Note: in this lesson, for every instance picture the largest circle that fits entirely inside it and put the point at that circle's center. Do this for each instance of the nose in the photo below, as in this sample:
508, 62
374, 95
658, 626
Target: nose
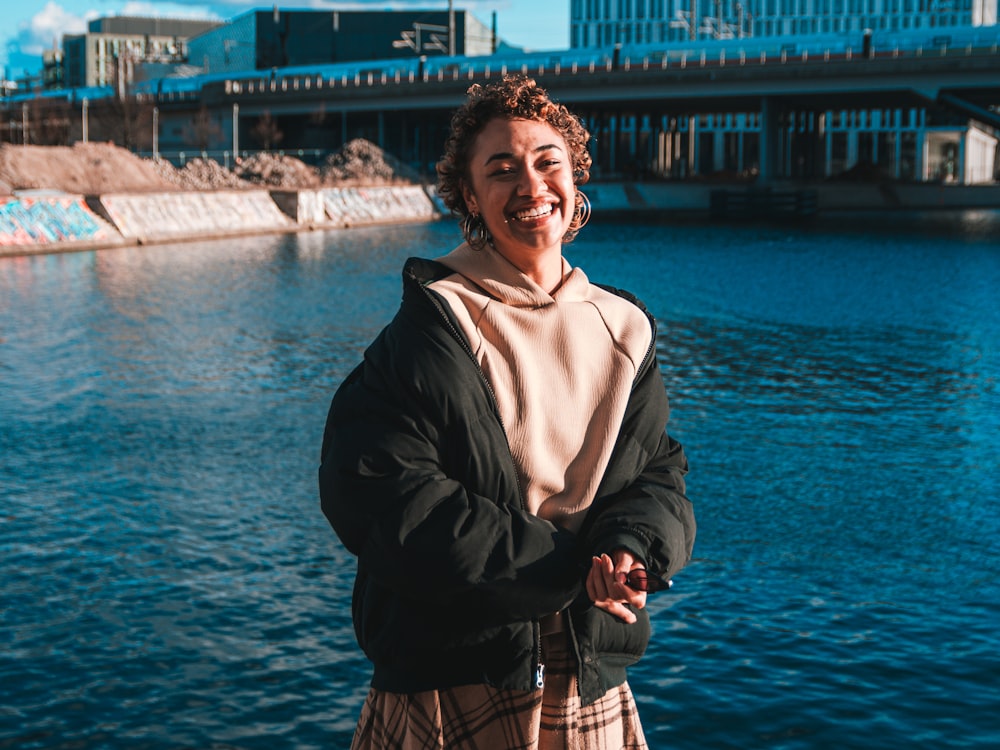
531, 182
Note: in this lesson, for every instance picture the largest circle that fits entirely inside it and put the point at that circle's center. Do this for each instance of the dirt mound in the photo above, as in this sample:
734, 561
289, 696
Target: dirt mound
200, 174
362, 162
100, 168
277, 170
85, 168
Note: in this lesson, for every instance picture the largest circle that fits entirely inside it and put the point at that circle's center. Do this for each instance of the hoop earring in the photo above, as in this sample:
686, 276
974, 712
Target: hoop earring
581, 215
475, 232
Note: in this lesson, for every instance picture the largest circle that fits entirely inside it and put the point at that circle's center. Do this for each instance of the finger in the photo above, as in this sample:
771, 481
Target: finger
624, 562
615, 581
624, 613
591, 584
637, 599
619, 610
600, 577
595, 582
608, 569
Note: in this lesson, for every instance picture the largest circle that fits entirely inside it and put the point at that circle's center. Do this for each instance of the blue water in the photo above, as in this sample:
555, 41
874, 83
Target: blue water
168, 580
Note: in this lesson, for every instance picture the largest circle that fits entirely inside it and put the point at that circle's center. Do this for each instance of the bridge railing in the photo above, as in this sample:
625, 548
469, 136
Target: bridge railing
474, 68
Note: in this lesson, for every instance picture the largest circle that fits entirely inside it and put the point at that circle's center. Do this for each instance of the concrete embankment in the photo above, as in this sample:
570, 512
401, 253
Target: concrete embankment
695, 198
44, 221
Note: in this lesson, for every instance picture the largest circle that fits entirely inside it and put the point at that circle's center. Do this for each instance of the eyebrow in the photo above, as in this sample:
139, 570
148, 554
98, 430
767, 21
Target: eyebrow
508, 155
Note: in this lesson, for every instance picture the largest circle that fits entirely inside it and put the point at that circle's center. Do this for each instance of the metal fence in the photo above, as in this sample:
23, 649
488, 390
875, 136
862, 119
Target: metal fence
224, 157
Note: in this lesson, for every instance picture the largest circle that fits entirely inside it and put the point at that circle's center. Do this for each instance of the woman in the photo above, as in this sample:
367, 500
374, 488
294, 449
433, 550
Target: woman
499, 463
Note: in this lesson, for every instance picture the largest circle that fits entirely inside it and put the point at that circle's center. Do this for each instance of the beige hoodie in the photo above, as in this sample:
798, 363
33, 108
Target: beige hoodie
561, 364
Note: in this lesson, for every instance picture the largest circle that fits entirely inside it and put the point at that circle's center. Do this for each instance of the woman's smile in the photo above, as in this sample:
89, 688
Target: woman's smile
537, 212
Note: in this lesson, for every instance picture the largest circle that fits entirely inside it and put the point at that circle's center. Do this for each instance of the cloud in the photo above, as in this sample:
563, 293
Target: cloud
146, 9
46, 29
23, 49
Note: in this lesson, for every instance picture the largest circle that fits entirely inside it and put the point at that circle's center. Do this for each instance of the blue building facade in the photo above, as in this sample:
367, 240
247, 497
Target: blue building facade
911, 144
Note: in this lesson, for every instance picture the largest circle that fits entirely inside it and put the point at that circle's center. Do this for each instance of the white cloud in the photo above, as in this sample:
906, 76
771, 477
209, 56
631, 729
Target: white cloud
145, 9
46, 29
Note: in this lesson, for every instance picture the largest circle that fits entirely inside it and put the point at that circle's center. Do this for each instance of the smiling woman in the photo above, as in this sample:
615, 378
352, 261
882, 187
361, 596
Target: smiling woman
507, 544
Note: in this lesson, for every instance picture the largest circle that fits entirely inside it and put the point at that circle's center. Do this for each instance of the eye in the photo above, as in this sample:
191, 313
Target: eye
502, 171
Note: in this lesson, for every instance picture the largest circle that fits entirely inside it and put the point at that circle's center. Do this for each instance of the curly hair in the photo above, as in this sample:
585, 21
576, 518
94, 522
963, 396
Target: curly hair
514, 97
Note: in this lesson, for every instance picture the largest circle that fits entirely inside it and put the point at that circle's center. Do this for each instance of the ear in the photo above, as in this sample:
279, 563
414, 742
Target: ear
470, 199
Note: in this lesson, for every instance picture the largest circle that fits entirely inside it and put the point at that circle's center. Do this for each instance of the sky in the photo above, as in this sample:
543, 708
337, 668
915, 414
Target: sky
27, 27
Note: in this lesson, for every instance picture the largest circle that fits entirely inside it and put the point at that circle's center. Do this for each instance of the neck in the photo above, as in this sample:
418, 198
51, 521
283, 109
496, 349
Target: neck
544, 267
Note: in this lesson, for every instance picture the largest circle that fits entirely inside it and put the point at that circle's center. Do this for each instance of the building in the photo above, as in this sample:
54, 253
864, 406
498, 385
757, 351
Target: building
913, 144
265, 39
53, 70
598, 23
113, 47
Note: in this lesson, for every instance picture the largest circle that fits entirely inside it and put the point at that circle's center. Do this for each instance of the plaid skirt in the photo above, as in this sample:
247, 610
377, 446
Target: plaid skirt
479, 717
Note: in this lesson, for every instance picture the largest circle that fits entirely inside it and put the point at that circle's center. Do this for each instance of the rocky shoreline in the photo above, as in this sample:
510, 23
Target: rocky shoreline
89, 196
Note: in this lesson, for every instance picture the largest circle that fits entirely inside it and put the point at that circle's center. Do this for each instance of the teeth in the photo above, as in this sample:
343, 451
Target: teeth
534, 213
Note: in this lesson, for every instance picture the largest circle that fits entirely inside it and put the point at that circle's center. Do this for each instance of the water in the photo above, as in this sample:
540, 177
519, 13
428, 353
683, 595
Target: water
168, 580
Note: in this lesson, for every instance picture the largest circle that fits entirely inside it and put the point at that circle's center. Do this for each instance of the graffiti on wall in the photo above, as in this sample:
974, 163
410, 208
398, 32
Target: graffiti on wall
42, 221
60, 219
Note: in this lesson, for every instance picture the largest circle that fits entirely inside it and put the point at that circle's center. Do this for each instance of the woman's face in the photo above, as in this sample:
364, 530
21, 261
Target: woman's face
521, 182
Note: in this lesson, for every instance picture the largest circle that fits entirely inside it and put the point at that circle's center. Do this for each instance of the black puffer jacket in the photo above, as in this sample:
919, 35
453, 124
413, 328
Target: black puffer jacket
418, 481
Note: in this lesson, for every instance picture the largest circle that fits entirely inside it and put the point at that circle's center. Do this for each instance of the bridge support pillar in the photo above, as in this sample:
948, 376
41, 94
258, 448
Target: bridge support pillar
769, 140
693, 167
613, 122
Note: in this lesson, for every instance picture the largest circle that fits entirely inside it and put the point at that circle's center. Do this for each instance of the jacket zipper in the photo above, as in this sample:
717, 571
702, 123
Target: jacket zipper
649, 352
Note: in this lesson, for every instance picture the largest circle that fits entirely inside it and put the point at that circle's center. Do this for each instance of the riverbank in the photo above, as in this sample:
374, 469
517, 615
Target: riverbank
91, 196
95, 195
46, 221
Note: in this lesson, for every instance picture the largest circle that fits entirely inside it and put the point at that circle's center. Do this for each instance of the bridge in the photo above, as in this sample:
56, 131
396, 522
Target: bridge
406, 111
733, 83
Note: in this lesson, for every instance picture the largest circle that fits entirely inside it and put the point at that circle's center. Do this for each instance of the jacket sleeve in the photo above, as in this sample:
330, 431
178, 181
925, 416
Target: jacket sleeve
415, 481
642, 505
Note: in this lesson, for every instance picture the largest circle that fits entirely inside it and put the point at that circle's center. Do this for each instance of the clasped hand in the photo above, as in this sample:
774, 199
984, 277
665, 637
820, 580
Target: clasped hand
606, 585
